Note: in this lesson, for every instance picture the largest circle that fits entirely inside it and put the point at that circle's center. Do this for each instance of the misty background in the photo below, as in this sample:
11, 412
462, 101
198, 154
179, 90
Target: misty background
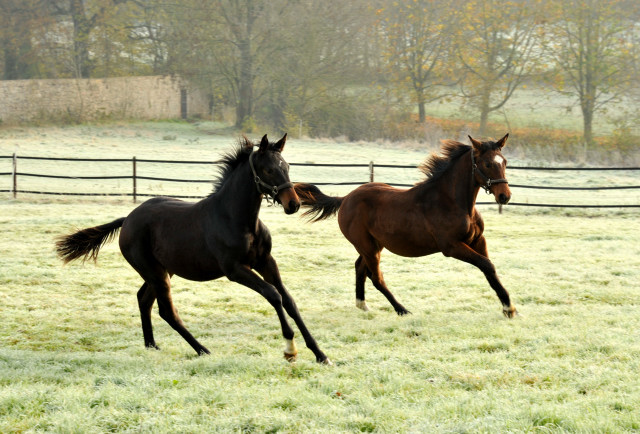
362, 70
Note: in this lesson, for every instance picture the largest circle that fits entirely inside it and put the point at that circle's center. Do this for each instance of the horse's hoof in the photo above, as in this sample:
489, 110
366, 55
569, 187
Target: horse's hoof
402, 312
290, 357
152, 347
326, 361
290, 350
203, 352
510, 312
361, 304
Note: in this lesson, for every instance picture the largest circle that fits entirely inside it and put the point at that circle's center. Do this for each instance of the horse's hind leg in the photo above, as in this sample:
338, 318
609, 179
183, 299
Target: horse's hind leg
271, 274
372, 262
169, 313
361, 277
146, 298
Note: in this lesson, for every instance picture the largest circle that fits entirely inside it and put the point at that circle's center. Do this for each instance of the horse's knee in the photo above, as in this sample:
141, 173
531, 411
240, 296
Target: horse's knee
487, 267
273, 297
358, 262
165, 313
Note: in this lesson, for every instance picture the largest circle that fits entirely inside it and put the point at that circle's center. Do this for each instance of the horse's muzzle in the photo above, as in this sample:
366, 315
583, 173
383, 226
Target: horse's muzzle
292, 208
501, 192
503, 199
289, 201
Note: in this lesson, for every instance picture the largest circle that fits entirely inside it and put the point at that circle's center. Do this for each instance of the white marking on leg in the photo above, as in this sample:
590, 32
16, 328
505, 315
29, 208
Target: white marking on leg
290, 347
361, 304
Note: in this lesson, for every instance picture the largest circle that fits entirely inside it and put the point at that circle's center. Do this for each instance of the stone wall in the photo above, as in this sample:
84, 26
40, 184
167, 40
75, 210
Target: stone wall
147, 98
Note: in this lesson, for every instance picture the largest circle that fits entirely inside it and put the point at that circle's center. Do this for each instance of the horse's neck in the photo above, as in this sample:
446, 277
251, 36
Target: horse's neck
238, 198
459, 184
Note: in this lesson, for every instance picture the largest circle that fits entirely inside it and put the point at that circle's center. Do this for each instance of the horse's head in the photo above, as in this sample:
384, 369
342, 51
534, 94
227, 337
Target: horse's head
271, 174
488, 168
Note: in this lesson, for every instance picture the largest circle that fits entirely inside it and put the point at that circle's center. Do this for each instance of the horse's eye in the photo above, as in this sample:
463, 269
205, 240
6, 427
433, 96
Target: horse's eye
268, 170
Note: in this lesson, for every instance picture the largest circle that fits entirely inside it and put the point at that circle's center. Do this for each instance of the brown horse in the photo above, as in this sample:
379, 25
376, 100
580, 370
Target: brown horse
219, 236
436, 215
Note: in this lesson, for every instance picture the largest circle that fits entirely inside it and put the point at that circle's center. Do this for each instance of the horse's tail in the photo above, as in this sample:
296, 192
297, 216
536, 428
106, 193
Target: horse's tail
321, 206
86, 243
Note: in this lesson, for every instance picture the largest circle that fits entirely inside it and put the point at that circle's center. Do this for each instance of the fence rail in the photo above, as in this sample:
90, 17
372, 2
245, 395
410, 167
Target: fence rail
134, 178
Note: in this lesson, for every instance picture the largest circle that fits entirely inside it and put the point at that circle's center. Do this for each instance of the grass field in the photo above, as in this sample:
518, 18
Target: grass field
72, 356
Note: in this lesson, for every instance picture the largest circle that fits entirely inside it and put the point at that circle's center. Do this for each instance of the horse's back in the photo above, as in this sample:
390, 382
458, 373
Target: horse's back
170, 233
378, 216
155, 214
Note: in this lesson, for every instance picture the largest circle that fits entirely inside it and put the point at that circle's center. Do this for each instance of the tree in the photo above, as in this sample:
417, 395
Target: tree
417, 36
226, 42
84, 16
497, 44
593, 48
17, 18
325, 50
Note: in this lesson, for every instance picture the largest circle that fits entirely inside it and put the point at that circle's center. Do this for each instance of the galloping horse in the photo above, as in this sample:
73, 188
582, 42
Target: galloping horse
219, 236
436, 215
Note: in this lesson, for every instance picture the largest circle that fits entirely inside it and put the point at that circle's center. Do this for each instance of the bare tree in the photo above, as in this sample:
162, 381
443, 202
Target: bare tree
17, 20
592, 44
497, 44
417, 40
84, 16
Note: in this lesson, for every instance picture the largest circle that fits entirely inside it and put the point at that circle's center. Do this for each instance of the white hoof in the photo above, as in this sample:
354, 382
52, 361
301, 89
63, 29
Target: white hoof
290, 350
361, 304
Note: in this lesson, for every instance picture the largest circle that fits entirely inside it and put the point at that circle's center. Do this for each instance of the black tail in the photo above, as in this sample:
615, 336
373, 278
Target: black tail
321, 206
86, 243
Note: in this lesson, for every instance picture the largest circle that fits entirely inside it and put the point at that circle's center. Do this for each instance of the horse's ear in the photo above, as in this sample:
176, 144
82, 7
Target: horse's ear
279, 146
264, 143
500, 143
476, 144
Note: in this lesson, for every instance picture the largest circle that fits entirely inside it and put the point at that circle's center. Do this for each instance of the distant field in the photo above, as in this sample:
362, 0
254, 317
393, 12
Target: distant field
545, 109
71, 348
180, 141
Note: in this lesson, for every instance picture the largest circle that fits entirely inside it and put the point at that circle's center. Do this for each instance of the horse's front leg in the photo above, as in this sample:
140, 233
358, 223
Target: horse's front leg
478, 256
243, 275
268, 269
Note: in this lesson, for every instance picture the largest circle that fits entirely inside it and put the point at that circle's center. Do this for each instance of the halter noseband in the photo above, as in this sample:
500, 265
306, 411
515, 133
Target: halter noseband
488, 182
271, 190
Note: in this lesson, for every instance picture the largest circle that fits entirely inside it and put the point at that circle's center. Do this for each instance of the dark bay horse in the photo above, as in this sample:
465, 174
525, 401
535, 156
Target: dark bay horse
436, 215
219, 236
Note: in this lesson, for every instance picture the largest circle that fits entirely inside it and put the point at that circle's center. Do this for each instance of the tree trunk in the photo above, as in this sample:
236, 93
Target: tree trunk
244, 108
81, 31
484, 111
587, 122
421, 112
10, 63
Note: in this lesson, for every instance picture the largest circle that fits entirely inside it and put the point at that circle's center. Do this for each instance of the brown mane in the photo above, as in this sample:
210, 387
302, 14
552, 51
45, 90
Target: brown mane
437, 164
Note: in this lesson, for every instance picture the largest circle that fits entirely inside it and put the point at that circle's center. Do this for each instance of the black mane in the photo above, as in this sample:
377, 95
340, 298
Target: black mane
435, 165
231, 160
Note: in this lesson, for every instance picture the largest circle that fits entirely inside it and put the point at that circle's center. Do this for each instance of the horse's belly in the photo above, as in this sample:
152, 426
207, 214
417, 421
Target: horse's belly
191, 267
410, 250
198, 275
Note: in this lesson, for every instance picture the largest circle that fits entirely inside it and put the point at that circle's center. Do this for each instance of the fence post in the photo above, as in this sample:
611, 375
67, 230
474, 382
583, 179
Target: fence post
135, 186
370, 171
15, 175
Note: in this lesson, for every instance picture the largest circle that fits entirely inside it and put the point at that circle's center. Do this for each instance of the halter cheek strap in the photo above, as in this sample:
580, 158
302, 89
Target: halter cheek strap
263, 187
488, 182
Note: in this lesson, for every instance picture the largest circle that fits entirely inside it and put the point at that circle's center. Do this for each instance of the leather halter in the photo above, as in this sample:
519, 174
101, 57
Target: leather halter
488, 182
271, 190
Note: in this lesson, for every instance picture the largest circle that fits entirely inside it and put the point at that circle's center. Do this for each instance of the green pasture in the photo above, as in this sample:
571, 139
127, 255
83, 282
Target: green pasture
538, 107
71, 348
201, 142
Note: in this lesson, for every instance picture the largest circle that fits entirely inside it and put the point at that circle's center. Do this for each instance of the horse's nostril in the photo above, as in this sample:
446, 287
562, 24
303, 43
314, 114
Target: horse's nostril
503, 199
294, 206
